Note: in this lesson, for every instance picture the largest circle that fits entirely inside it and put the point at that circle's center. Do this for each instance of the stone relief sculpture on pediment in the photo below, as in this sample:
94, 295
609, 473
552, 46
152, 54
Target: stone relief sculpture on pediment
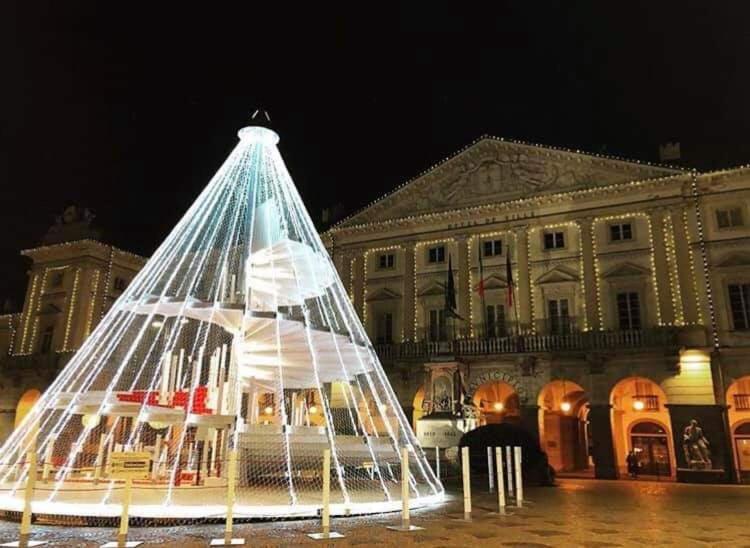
497, 171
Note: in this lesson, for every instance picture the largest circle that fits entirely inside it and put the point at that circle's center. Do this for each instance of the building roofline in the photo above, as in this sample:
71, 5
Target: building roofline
448, 212
30, 251
488, 137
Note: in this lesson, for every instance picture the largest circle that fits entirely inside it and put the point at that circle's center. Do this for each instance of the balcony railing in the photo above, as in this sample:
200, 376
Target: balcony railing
742, 402
572, 341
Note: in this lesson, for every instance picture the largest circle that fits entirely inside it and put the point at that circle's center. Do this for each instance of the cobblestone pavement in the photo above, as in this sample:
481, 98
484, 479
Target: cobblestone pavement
578, 512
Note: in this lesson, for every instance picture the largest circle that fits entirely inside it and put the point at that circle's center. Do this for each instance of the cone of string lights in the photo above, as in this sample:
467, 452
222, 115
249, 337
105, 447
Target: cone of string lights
237, 335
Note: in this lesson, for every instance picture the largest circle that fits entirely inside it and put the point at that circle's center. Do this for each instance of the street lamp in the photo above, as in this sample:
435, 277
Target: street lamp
638, 405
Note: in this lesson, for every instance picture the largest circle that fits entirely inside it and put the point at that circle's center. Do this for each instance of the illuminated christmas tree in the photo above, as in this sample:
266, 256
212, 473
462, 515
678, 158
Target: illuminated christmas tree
236, 335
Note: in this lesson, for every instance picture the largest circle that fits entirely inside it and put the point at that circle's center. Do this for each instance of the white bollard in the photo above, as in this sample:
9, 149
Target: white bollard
326, 513
122, 535
467, 482
490, 476
509, 467
231, 483
23, 538
500, 481
406, 525
519, 478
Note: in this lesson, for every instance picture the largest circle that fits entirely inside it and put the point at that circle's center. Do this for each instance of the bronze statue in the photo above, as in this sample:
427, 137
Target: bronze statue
696, 447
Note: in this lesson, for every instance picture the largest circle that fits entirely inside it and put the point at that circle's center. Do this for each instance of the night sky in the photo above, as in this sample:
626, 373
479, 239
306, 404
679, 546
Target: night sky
128, 109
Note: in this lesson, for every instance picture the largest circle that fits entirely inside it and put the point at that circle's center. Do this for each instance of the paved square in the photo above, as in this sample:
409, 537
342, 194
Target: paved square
578, 512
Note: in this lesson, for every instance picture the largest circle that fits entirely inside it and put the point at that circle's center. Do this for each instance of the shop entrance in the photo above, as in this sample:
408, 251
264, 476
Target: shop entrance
651, 446
742, 446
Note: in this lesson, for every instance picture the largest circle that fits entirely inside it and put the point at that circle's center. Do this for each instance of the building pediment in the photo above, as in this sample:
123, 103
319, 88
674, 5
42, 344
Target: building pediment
493, 282
50, 308
383, 294
734, 259
559, 274
494, 170
626, 269
433, 288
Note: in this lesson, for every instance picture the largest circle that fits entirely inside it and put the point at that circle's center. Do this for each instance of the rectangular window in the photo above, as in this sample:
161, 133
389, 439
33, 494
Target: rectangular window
629, 310
436, 254
554, 240
495, 317
492, 248
385, 329
437, 325
739, 302
46, 345
620, 232
387, 261
559, 316
120, 284
730, 217
56, 280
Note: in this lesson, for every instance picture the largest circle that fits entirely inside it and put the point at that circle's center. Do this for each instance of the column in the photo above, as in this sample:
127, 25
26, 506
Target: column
463, 288
602, 446
530, 420
524, 277
662, 267
341, 262
590, 294
408, 292
358, 280
712, 420
684, 271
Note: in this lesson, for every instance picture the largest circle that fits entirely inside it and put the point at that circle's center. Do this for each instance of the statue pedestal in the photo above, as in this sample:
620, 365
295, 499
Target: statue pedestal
711, 420
692, 475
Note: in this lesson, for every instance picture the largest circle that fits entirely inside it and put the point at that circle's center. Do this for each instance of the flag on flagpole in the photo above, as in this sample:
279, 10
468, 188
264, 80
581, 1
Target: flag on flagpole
509, 277
450, 292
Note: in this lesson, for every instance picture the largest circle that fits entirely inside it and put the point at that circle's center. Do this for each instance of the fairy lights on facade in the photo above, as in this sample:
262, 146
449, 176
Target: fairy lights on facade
418, 245
533, 232
474, 266
693, 276
92, 303
582, 278
366, 259
71, 308
29, 314
652, 261
37, 308
673, 272
704, 258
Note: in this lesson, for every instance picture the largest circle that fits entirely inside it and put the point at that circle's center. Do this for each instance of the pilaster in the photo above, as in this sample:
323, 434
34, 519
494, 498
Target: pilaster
588, 276
524, 279
408, 292
661, 267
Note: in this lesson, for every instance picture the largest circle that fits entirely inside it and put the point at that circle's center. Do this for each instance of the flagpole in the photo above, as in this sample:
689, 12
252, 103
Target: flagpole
511, 288
481, 293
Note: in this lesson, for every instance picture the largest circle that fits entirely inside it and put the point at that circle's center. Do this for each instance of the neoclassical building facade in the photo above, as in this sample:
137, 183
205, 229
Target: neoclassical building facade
629, 312
629, 316
73, 279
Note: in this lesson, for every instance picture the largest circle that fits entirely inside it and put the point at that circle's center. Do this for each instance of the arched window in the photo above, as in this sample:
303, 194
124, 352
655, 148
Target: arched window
648, 428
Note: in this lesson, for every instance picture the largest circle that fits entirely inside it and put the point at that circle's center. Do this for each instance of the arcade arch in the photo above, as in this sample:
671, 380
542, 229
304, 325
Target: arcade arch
641, 423
496, 402
563, 425
418, 407
25, 403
